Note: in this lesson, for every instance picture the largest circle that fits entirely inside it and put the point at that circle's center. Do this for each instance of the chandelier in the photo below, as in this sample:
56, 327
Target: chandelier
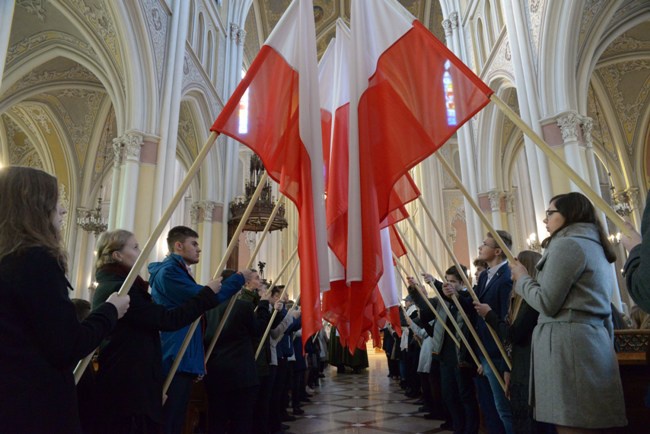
92, 220
263, 207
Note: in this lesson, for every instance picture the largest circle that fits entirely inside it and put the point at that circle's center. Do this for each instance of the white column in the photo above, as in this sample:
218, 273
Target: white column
130, 172
170, 109
118, 157
235, 49
569, 123
206, 236
465, 145
526, 81
6, 17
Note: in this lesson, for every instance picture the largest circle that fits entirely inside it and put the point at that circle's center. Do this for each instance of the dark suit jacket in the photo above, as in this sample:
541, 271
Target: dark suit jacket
497, 295
41, 341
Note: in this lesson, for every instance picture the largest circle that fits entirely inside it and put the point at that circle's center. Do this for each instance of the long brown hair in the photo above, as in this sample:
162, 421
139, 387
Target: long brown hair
529, 259
29, 198
576, 208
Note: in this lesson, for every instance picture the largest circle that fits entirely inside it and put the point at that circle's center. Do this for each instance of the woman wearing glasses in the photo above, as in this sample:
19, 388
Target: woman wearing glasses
576, 382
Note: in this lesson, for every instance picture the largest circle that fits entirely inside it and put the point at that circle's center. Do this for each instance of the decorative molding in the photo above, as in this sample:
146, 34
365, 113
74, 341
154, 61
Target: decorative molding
509, 198
34, 78
158, 23
118, 152
65, 203
42, 40
590, 11
33, 7
569, 123
100, 20
628, 111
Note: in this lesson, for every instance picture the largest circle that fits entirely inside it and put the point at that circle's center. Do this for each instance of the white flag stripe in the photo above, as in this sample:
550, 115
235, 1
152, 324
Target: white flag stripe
387, 284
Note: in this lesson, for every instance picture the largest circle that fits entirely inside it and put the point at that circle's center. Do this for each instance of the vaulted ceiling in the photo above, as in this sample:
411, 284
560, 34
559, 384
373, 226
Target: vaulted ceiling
266, 13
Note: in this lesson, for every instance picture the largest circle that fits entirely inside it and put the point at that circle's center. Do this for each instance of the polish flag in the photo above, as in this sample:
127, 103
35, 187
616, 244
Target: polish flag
283, 126
408, 95
334, 97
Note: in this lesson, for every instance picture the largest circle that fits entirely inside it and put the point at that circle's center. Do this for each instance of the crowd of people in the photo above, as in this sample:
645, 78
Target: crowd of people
551, 315
44, 333
545, 360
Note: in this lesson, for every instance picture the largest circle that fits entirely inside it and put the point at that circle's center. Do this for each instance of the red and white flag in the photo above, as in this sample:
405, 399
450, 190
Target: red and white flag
408, 95
283, 126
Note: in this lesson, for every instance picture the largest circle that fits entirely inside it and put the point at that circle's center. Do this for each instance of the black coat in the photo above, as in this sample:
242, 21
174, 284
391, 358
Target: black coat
232, 363
41, 341
130, 376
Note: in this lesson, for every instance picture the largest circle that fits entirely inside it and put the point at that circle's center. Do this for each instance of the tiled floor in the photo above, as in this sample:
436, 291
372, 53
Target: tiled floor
364, 403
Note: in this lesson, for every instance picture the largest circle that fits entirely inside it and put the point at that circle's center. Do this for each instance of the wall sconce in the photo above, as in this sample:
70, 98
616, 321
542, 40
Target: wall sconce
533, 242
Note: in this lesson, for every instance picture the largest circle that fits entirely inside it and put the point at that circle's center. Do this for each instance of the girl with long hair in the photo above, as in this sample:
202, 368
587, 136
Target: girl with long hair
40, 336
576, 383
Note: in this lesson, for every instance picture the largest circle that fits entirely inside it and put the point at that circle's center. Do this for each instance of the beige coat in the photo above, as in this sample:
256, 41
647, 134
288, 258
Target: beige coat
575, 378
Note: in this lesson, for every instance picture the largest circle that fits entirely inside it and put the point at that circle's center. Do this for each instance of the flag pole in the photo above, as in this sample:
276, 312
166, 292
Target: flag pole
463, 276
231, 246
267, 228
222, 323
275, 312
151, 242
466, 281
462, 313
435, 311
573, 176
473, 204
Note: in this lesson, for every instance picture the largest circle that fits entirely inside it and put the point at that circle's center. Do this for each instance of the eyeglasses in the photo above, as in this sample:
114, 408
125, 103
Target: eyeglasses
550, 212
487, 245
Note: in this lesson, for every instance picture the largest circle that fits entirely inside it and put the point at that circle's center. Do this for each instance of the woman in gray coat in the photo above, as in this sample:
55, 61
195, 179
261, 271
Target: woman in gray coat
575, 381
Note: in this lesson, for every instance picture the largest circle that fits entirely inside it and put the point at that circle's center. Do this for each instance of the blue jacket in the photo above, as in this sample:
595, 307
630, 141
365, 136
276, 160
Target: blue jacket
171, 286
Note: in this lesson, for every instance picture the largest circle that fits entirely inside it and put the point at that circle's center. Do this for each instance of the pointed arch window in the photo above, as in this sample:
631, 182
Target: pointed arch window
450, 104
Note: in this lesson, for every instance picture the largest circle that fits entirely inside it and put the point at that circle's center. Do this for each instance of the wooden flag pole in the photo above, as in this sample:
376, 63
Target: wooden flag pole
267, 229
465, 318
466, 281
573, 176
222, 323
222, 265
435, 311
473, 204
151, 242
275, 312
463, 276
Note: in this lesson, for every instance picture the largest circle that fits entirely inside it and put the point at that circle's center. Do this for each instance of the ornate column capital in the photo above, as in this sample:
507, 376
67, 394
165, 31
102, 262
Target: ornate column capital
509, 197
241, 37
587, 128
569, 123
133, 142
453, 17
195, 211
208, 207
118, 152
495, 200
446, 24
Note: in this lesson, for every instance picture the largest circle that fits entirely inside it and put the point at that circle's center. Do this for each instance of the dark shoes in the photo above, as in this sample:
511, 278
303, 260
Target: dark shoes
298, 411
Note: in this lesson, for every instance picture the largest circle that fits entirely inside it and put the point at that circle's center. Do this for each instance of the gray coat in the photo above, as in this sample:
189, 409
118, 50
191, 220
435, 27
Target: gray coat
575, 378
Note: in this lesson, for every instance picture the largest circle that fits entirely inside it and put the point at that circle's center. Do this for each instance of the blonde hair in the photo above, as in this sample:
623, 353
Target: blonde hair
109, 242
529, 259
29, 198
